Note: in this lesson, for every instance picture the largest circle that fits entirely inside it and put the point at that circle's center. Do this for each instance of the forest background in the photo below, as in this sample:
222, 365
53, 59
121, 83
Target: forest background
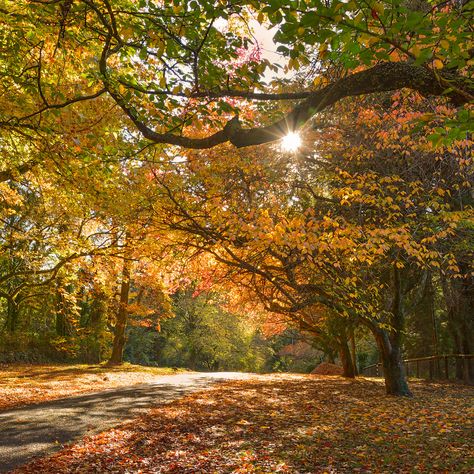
149, 212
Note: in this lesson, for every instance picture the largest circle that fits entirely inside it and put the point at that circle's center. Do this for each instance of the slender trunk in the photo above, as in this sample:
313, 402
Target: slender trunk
393, 367
61, 326
353, 351
96, 323
12, 316
193, 355
389, 342
346, 360
457, 338
122, 316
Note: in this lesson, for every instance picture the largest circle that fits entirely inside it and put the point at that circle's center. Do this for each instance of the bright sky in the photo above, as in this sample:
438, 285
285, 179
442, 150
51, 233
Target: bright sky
264, 37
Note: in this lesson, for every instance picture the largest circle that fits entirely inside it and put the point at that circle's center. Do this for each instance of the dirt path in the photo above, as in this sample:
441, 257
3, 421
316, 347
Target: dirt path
37, 430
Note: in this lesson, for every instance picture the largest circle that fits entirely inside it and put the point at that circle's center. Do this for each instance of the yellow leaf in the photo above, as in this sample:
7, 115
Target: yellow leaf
444, 44
415, 51
127, 33
318, 81
378, 7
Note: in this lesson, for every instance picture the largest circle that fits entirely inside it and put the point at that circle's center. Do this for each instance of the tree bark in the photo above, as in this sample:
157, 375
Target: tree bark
459, 298
393, 367
346, 360
353, 351
12, 315
116, 357
96, 323
389, 341
61, 317
384, 77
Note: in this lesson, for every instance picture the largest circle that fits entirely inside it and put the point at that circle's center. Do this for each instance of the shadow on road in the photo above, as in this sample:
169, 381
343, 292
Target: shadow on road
39, 429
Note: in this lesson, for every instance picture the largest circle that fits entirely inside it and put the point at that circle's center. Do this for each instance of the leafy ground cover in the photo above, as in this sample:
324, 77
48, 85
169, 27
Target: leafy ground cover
25, 384
286, 424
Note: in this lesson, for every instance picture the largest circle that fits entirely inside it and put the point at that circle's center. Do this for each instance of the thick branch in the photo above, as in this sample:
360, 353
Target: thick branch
381, 78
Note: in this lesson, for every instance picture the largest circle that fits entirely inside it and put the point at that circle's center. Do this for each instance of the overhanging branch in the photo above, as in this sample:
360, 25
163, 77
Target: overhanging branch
381, 78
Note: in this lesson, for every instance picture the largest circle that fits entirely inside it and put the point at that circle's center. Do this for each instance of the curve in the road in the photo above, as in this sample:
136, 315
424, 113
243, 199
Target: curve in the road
37, 430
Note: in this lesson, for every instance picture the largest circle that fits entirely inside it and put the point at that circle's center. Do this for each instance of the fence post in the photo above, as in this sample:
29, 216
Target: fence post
435, 369
438, 368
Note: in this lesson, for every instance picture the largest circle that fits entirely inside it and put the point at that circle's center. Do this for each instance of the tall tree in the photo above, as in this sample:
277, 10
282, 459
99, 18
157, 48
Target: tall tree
343, 230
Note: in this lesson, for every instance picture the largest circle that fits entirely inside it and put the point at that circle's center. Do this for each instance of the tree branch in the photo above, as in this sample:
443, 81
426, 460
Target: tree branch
381, 78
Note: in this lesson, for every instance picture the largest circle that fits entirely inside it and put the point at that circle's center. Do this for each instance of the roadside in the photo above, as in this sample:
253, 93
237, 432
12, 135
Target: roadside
21, 385
39, 429
286, 424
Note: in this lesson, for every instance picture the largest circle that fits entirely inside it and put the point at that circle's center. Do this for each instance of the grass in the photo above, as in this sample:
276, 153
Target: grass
287, 424
26, 384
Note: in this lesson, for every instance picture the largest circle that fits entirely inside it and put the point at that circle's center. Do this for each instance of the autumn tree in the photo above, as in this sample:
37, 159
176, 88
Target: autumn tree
89, 86
43, 231
172, 66
439, 217
343, 230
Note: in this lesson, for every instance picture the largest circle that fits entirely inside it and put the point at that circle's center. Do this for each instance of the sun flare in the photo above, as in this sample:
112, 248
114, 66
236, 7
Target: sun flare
291, 142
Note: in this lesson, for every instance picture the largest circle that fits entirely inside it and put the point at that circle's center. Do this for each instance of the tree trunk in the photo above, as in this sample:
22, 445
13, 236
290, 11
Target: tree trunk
61, 324
393, 367
12, 316
122, 316
192, 363
389, 341
346, 360
353, 351
96, 322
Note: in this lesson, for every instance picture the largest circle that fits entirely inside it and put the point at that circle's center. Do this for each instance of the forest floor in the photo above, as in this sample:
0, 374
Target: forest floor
286, 424
23, 384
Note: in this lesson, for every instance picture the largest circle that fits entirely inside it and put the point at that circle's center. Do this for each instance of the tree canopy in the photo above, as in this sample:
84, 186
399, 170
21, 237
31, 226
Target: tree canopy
139, 180
182, 72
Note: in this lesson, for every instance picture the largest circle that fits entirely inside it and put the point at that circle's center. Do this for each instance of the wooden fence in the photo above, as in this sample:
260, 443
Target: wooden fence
438, 367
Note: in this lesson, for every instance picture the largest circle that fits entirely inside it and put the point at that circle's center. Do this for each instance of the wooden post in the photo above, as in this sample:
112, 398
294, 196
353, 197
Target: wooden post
417, 369
438, 367
446, 367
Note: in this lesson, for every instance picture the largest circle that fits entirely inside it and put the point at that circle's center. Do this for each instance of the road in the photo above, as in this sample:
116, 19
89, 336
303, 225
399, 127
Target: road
38, 430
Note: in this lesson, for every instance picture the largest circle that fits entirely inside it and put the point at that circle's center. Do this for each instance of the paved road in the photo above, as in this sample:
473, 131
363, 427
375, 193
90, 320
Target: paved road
37, 430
